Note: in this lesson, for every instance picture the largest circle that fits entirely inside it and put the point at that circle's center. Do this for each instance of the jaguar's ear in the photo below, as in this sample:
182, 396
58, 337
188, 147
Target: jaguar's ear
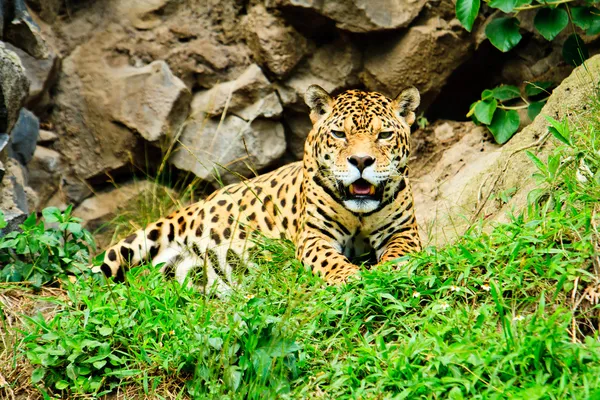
406, 104
319, 102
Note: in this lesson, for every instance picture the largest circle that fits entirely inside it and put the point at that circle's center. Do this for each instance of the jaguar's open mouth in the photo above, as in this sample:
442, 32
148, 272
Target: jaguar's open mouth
361, 189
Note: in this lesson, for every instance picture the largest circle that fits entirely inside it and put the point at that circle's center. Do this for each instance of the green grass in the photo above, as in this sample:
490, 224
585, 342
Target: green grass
500, 313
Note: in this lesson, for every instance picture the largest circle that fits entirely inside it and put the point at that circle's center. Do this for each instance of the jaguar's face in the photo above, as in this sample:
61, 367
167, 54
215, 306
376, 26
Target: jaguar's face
360, 144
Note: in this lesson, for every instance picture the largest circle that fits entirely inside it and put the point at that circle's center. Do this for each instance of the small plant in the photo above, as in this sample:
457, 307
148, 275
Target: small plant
422, 121
550, 19
41, 253
495, 111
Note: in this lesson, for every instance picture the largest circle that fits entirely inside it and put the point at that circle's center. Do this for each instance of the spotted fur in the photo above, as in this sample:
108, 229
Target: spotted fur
356, 137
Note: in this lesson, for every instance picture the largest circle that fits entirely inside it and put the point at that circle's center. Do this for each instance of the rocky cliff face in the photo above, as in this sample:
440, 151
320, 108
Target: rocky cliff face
214, 88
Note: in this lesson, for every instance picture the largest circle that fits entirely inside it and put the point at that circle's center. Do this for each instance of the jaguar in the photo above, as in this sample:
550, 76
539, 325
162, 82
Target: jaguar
349, 196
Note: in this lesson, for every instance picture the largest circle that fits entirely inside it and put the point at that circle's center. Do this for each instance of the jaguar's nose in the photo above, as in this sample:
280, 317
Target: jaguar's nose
361, 162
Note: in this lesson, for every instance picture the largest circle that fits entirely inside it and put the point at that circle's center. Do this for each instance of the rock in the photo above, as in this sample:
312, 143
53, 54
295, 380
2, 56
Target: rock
226, 150
89, 140
69, 190
15, 197
424, 56
299, 126
12, 216
238, 143
103, 207
47, 137
102, 113
44, 175
75, 190
42, 74
362, 15
535, 61
23, 137
444, 132
456, 166
45, 159
149, 100
274, 44
143, 14
334, 67
4, 139
14, 87
249, 96
462, 197
338, 62
17, 27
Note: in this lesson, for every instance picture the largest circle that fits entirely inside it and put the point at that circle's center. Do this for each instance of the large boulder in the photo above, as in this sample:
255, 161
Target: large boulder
229, 149
42, 74
362, 15
274, 44
333, 66
249, 96
149, 100
424, 56
103, 110
232, 131
469, 185
14, 87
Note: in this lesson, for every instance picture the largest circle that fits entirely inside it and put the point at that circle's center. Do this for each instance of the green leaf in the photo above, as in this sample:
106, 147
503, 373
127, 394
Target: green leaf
582, 16
98, 259
466, 12
534, 109
550, 22
535, 88
503, 33
105, 330
74, 228
506, 92
594, 28
233, 377
538, 163
504, 125
586, 18
455, 394
575, 51
99, 364
486, 94
30, 221
70, 370
559, 130
62, 385
51, 214
38, 374
3, 222
508, 5
484, 110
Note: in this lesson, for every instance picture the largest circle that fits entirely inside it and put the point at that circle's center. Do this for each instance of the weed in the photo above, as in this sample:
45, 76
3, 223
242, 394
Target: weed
45, 250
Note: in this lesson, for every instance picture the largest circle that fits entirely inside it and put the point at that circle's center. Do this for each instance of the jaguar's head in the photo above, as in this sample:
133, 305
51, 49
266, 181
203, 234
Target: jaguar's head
359, 145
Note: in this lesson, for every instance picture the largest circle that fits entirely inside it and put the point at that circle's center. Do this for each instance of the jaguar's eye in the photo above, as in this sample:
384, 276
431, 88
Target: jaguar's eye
338, 134
385, 135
